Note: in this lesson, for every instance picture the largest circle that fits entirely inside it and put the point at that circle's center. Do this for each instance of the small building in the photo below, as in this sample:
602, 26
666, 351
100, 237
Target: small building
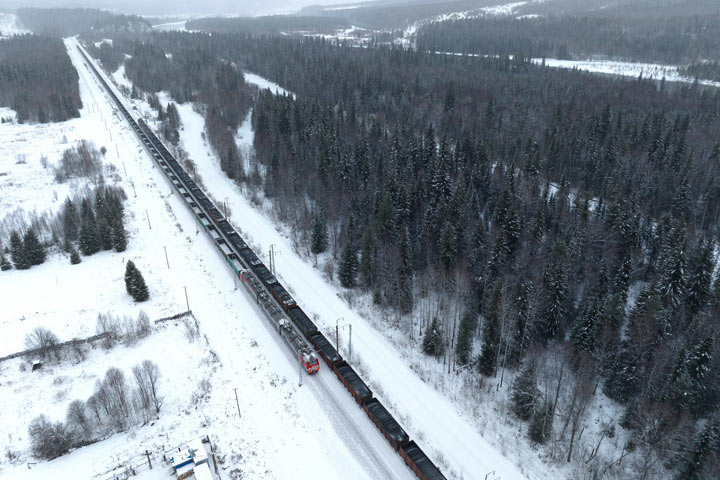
191, 462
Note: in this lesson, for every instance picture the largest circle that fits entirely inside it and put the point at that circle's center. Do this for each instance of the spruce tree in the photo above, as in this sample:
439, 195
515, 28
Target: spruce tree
4, 263
706, 446
318, 243
348, 266
525, 392
89, 237
104, 233
463, 347
17, 252
367, 258
542, 422
119, 239
404, 292
34, 250
585, 331
139, 287
698, 286
673, 275
624, 375
433, 341
74, 256
555, 290
491, 333
71, 221
130, 270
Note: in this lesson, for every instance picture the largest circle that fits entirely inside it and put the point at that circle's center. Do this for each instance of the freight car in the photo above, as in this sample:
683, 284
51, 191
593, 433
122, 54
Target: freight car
282, 296
352, 382
325, 349
303, 322
387, 424
419, 463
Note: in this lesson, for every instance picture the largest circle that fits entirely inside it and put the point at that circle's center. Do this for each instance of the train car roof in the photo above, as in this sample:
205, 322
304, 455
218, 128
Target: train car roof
391, 425
325, 346
352, 378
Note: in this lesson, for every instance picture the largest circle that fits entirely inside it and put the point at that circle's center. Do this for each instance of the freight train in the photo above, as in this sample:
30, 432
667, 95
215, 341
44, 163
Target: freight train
272, 296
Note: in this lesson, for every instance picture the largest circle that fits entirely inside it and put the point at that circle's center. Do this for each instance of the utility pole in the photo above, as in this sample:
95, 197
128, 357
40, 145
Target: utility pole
237, 402
337, 334
299, 370
166, 257
187, 303
147, 454
350, 344
146, 215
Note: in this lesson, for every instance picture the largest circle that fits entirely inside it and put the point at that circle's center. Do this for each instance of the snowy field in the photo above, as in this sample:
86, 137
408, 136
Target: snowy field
625, 69
10, 25
285, 430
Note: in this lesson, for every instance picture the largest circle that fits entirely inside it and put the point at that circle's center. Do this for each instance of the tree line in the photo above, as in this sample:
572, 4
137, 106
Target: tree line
66, 22
670, 40
115, 405
38, 80
271, 24
90, 223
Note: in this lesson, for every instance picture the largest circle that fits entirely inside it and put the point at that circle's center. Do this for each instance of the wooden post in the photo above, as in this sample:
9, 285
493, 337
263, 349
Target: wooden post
147, 454
146, 215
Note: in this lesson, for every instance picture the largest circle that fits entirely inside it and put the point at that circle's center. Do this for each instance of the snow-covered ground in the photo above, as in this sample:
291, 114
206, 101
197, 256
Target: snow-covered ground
263, 83
625, 69
285, 431
10, 25
501, 9
171, 26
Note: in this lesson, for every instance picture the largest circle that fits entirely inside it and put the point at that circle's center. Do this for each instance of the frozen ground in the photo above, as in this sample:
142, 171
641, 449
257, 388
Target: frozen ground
171, 26
625, 69
501, 9
10, 25
285, 430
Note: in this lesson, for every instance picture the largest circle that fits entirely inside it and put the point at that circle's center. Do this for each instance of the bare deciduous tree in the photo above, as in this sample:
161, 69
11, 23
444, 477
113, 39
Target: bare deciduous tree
152, 373
43, 339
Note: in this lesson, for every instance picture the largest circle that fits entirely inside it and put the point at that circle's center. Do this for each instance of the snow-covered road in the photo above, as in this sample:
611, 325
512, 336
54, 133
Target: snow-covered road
328, 434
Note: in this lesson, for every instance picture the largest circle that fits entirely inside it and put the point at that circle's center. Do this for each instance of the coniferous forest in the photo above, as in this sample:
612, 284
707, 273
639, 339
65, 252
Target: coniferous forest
37, 79
562, 212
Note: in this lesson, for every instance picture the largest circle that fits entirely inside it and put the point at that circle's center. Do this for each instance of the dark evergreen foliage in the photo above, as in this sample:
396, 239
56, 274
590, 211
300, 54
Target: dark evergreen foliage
525, 394
17, 252
34, 250
433, 342
319, 240
38, 80
135, 283
4, 263
466, 333
541, 424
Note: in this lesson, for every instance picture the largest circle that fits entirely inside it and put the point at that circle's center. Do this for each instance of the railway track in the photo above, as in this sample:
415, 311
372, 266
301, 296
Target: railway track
293, 325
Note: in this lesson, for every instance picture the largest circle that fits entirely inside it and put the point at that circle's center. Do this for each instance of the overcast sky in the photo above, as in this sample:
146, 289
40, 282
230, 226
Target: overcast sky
169, 7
